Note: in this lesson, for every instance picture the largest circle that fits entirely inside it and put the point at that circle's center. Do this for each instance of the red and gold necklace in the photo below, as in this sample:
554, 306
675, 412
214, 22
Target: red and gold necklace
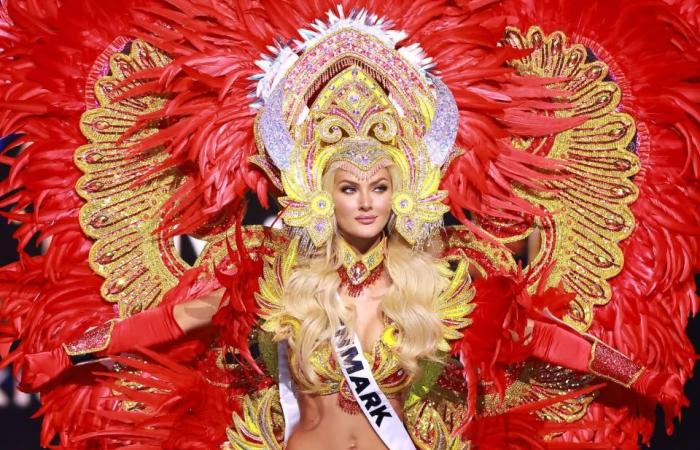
359, 271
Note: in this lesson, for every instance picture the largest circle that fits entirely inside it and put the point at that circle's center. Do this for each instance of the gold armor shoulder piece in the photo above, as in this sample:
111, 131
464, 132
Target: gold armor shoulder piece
454, 304
261, 426
276, 272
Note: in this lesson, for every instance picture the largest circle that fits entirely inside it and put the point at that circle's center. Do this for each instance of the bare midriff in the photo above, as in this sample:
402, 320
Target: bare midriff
325, 426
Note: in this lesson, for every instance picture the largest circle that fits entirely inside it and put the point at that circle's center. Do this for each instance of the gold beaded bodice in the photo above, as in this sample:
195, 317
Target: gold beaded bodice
382, 357
453, 307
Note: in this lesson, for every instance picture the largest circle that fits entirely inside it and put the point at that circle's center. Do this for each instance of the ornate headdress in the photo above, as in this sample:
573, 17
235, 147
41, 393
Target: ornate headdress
163, 146
346, 95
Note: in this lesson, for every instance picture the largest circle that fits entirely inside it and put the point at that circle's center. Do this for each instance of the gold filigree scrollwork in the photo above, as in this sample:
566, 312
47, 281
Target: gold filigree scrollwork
431, 424
260, 425
124, 199
588, 211
121, 210
536, 382
485, 257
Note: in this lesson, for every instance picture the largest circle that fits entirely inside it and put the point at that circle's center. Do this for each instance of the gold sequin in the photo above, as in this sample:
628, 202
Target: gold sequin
589, 208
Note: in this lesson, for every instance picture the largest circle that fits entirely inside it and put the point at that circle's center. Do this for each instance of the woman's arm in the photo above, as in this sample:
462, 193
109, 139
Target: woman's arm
155, 326
555, 344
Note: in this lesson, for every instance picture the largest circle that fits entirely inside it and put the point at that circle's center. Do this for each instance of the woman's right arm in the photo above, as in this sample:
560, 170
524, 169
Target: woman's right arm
155, 326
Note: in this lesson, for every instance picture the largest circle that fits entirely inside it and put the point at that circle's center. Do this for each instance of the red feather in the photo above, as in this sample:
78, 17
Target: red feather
654, 294
239, 311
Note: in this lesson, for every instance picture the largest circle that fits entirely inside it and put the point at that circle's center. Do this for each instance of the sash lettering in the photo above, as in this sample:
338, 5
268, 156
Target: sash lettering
373, 403
380, 414
360, 383
352, 365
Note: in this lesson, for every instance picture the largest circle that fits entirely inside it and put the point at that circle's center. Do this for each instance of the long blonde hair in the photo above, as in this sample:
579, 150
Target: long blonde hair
410, 302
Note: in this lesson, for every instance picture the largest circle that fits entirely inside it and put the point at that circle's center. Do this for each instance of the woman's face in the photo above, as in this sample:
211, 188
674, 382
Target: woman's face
362, 207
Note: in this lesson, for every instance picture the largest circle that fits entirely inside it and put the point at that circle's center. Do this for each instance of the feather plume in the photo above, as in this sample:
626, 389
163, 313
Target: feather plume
654, 294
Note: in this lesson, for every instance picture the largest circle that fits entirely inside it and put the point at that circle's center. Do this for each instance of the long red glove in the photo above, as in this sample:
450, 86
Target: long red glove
146, 329
554, 344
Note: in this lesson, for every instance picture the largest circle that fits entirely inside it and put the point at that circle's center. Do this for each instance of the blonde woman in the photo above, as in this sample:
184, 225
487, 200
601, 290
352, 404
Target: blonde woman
401, 295
357, 325
391, 305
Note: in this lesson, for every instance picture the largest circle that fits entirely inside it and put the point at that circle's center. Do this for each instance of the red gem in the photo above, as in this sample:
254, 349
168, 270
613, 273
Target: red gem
357, 271
354, 290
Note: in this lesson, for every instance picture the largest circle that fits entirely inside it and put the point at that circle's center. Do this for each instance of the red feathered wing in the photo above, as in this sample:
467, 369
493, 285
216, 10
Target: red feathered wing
52, 298
653, 295
52, 71
204, 134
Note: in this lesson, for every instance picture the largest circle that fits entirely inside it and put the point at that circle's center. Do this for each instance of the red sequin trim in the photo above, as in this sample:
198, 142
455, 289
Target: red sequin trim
354, 290
613, 365
346, 400
94, 340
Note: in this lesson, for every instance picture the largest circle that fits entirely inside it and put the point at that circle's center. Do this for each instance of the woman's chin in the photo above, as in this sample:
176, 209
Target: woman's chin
366, 232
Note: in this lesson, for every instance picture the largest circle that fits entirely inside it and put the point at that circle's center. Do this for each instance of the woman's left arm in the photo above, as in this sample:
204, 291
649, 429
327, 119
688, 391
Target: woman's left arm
555, 344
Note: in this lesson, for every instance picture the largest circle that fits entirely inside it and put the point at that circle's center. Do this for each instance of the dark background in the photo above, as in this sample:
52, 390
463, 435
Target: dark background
18, 431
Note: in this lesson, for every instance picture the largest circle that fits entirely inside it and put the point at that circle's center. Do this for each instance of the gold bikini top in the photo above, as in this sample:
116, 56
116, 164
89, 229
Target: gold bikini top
386, 368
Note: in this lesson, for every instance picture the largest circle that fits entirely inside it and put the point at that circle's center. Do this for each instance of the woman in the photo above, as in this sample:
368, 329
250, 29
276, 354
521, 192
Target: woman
357, 325
378, 309
363, 277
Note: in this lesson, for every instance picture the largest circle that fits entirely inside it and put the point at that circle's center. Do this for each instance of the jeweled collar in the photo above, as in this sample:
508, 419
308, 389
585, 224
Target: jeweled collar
359, 271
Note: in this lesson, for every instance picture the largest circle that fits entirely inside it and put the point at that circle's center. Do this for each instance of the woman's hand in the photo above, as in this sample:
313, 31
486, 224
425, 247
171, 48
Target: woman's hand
165, 323
664, 388
199, 312
38, 369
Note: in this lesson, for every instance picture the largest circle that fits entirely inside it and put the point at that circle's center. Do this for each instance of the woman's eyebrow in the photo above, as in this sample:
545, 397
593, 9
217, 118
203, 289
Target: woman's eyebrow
345, 180
382, 179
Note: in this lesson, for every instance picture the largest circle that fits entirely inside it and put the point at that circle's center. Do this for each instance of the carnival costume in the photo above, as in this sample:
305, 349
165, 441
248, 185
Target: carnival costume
140, 120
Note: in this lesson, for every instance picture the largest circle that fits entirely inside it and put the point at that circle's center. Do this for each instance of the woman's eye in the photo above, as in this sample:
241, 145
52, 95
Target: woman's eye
347, 189
381, 188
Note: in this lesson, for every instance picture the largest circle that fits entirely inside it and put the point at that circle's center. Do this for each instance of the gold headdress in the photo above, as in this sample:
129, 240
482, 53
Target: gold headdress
369, 104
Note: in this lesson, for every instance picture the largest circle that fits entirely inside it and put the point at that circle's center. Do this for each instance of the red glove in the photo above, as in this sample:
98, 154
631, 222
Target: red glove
553, 344
662, 387
665, 389
40, 368
148, 328
566, 348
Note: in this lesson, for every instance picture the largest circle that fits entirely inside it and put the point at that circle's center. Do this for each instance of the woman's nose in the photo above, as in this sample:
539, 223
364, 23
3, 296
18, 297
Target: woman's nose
365, 201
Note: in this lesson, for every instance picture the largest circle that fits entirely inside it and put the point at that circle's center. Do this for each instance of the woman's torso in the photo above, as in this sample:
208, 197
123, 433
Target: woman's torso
326, 422
325, 426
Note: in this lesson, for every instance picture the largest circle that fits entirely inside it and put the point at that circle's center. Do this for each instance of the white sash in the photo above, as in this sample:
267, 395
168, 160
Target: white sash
288, 397
372, 401
359, 378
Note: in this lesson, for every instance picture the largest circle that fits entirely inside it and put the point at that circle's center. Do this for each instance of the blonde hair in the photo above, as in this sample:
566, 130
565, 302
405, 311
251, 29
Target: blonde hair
310, 297
410, 302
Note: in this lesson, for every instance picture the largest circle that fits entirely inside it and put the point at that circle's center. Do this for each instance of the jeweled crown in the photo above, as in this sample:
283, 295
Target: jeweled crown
349, 95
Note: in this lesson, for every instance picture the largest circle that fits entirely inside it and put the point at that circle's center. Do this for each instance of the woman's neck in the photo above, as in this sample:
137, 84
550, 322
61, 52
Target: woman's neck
360, 244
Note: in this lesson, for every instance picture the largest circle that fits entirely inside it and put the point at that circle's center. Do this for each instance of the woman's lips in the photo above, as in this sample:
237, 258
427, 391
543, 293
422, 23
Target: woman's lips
366, 220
